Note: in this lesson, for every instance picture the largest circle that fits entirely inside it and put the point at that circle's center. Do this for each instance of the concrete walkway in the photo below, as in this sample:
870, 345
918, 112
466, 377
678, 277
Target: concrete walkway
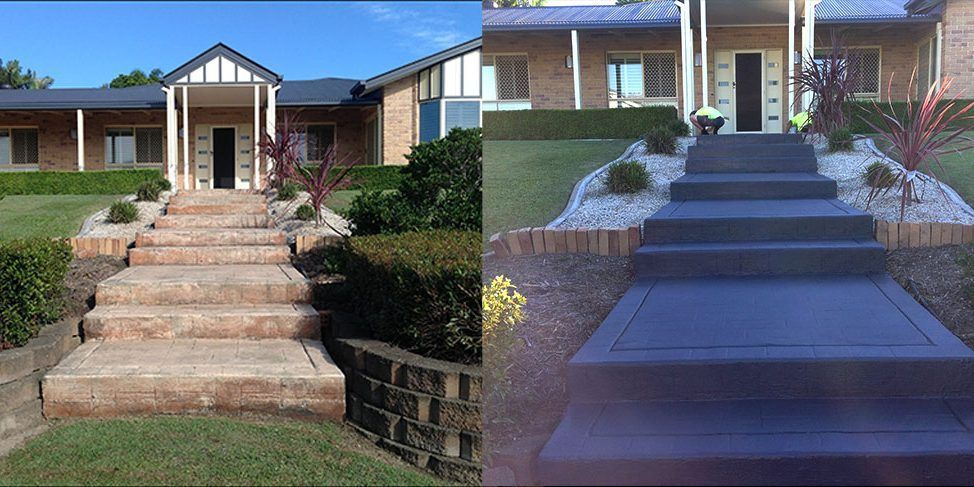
210, 317
763, 343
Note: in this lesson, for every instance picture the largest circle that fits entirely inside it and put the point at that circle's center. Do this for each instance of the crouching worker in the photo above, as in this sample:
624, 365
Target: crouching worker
801, 122
705, 118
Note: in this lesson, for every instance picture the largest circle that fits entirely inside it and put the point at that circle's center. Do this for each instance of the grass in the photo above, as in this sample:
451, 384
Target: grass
341, 199
23, 216
958, 169
527, 182
201, 451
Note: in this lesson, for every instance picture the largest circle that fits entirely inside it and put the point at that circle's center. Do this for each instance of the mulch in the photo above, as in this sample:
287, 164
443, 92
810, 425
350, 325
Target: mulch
79, 284
568, 296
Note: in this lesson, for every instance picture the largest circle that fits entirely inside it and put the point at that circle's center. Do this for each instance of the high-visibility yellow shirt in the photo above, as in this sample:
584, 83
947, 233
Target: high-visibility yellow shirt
709, 112
800, 120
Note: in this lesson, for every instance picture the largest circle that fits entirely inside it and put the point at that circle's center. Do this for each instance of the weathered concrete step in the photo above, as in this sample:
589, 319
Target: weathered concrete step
748, 139
752, 150
216, 208
206, 237
216, 198
756, 220
239, 254
758, 186
213, 221
110, 378
198, 284
756, 258
905, 441
22, 419
128, 322
732, 164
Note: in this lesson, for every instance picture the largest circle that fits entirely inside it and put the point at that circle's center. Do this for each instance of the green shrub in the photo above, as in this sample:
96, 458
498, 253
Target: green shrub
163, 184
680, 128
878, 175
840, 140
288, 191
123, 212
88, 182
305, 213
440, 188
31, 285
148, 191
600, 123
627, 177
660, 140
860, 111
420, 290
375, 178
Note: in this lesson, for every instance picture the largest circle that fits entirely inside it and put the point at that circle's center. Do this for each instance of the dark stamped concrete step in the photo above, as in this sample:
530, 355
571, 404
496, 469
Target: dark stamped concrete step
834, 441
756, 220
760, 258
732, 186
748, 139
772, 337
743, 163
757, 150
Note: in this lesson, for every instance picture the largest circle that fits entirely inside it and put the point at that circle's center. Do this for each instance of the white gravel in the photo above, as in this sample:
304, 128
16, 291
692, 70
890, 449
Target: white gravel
283, 214
599, 208
99, 226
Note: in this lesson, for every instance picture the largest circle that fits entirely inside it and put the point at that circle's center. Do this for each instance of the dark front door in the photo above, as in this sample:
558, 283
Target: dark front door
747, 79
223, 157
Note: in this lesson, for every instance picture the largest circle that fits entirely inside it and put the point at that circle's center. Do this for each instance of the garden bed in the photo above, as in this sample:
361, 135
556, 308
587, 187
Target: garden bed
283, 213
98, 225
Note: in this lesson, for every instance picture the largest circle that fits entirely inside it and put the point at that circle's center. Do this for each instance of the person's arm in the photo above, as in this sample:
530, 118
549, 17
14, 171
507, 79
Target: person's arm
693, 120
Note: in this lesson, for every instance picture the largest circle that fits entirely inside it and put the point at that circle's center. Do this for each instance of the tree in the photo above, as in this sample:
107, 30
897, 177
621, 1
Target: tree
136, 78
13, 77
518, 3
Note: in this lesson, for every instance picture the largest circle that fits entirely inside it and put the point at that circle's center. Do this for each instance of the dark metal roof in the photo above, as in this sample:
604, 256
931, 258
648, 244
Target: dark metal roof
383, 79
136, 97
220, 49
321, 92
652, 13
867, 11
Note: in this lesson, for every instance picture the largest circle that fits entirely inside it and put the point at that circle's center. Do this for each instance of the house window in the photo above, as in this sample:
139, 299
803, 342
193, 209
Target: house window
372, 142
506, 82
641, 78
926, 66
429, 83
127, 146
317, 140
463, 114
866, 72
18, 147
429, 121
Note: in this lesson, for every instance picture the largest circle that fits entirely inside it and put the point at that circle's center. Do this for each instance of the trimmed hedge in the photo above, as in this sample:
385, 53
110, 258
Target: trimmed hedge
419, 291
375, 178
599, 123
860, 110
31, 286
65, 182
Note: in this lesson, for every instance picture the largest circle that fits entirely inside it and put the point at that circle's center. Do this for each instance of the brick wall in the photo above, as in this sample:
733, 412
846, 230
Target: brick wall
550, 81
958, 46
56, 149
400, 119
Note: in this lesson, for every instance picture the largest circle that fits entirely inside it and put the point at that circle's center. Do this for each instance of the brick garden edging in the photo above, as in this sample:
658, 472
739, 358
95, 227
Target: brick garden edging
88, 247
903, 235
21, 370
426, 411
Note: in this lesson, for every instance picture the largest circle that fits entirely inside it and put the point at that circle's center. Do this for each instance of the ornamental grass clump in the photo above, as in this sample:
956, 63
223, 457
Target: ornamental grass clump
832, 81
878, 175
305, 213
840, 140
148, 191
123, 212
628, 177
920, 136
288, 191
660, 139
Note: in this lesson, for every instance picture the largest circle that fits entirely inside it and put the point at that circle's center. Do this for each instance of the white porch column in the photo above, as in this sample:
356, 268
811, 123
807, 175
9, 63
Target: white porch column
576, 71
790, 58
270, 118
686, 64
171, 135
185, 137
936, 65
808, 45
691, 81
703, 52
256, 179
81, 140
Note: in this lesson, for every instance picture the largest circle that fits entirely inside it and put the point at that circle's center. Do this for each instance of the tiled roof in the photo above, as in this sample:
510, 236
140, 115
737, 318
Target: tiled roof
645, 14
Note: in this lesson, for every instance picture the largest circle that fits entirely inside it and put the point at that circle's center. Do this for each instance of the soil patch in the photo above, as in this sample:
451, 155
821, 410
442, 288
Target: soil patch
568, 296
938, 278
79, 284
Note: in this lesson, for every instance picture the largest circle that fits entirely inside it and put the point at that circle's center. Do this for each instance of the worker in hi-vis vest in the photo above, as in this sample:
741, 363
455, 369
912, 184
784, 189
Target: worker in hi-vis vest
707, 117
801, 122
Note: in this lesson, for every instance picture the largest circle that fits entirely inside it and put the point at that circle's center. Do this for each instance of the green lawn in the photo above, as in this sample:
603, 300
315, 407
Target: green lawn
958, 168
24, 216
340, 199
202, 451
528, 182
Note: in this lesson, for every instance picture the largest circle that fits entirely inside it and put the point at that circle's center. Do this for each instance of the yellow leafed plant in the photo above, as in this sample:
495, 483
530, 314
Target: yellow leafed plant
501, 314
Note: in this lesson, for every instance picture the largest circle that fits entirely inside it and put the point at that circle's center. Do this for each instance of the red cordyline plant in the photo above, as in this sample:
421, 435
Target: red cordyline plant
320, 180
832, 82
920, 136
284, 149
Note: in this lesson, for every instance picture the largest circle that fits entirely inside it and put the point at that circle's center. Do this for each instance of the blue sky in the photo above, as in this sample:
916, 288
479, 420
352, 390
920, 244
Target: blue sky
87, 44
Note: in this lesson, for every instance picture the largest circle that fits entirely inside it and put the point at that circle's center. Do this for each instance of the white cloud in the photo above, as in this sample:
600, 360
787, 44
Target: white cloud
418, 31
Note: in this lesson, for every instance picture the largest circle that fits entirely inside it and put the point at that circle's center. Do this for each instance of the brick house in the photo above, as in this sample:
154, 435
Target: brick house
743, 51
200, 124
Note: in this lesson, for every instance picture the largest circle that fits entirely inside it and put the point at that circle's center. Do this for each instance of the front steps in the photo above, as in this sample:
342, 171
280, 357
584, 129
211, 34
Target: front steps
210, 317
764, 344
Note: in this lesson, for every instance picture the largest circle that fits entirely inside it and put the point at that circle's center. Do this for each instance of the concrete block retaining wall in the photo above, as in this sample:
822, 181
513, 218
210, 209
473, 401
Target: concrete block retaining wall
426, 411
